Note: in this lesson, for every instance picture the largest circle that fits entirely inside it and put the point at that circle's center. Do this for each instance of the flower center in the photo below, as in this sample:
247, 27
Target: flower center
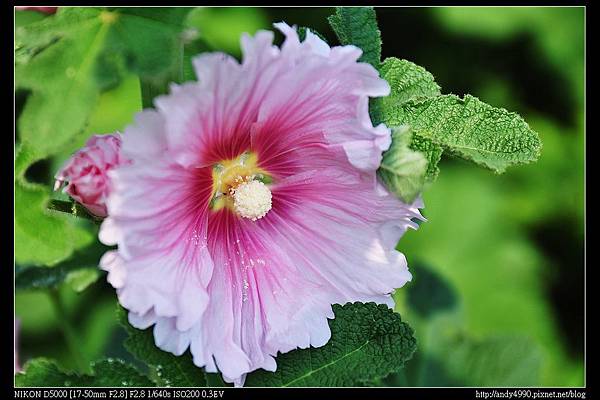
239, 184
252, 199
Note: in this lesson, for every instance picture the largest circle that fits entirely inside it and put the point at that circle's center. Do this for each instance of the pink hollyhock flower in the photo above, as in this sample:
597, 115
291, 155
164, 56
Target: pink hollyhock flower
46, 10
251, 205
17, 366
86, 172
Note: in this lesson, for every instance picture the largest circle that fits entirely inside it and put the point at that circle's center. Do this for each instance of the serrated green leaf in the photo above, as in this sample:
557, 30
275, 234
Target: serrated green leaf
41, 372
358, 26
43, 237
408, 81
58, 74
470, 129
403, 170
85, 259
368, 341
431, 151
170, 370
115, 372
467, 127
63, 61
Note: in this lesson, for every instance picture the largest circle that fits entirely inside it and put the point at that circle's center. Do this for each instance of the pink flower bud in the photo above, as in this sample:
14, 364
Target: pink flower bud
86, 172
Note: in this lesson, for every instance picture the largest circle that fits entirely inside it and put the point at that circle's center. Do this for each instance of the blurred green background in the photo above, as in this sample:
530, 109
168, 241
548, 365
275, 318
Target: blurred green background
497, 296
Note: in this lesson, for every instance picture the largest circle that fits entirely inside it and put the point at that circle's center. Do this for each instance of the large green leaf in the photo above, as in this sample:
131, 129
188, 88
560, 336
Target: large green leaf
80, 270
467, 128
470, 129
43, 236
68, 59
408, 81
432, 152
41, 372
358, 26
368, 341
66, 63
169, 370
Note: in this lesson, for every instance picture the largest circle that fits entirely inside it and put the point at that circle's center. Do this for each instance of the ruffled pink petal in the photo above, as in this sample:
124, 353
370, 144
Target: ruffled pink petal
316, 92
163, 261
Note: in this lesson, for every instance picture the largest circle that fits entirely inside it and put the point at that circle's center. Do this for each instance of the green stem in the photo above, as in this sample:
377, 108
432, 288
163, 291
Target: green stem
72, 208
62, 206
69, 332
